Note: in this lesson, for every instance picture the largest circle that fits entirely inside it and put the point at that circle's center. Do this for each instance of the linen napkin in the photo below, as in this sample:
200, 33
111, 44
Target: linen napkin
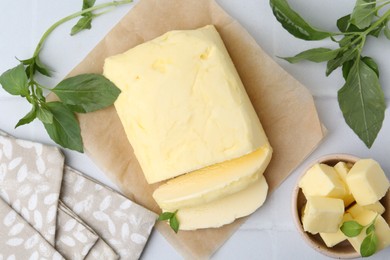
62, 212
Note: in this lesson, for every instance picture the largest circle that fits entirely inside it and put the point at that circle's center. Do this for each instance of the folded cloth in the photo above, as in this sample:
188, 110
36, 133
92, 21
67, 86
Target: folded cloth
77, 217
19, 240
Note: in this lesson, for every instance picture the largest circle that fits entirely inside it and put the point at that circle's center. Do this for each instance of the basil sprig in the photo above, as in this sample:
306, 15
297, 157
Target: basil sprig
80, 94
370, 243
171, 218
361, 99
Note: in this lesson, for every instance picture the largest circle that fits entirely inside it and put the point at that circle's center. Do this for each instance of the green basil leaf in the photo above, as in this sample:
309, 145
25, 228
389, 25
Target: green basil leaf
165, 216
294, 23
372, 64
369, 245
64, 129
341, 58
370, 229
363, 13
27, 61
44, 115
344, 25
346, 68
362, 102
174, 223
314, 55
351, 228
28, 118
42, 68
87, 92
14, 81
84, 23
88, 4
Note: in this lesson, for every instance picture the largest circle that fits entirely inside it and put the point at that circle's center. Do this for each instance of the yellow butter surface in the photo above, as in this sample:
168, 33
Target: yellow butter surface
213, 182
183, 106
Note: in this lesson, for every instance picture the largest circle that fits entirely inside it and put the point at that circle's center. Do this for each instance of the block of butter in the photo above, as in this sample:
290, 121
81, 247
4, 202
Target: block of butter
356, 209
332, 239
342, 169
367, 181
318, 209
213, 182
183, 106
322, 180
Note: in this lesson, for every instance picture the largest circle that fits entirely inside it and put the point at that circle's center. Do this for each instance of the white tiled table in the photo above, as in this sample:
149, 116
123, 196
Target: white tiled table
268, 233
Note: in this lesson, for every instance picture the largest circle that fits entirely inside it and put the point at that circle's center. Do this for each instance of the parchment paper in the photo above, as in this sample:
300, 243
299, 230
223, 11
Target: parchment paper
285, 108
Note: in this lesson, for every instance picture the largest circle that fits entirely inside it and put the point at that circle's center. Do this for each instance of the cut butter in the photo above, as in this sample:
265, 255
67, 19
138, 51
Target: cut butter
225, 210
213, 182
183, 106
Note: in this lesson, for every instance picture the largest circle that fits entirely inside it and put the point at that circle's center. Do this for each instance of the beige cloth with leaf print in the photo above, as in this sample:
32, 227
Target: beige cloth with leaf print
49, 210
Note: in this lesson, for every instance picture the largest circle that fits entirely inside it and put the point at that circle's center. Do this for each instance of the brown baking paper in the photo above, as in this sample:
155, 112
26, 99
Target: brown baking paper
285, 108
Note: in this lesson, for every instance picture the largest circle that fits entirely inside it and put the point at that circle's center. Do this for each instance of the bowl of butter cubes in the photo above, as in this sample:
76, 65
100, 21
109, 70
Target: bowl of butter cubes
340, 206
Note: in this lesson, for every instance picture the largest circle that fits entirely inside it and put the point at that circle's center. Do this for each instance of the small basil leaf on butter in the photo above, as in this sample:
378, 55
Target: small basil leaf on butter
174, 223
369, 245
64, 129
165, 216
314, 55
351, 228
87, 92
14, 81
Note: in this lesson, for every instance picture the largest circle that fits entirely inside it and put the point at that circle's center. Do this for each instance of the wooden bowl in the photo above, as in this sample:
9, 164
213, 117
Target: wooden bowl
343, 250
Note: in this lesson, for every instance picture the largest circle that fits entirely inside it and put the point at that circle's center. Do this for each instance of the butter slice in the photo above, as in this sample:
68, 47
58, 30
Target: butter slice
183, 106
367, 181
322, 214
322, 180
382, 230
332, 239
356, 209
213, 182
225, 210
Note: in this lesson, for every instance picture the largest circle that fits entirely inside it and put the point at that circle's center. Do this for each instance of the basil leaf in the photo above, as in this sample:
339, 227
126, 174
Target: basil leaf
346, 68
370, 229
174, 223
85, 22
42, 68
64, 129
82, 24
362, 102
363, 13
44, 115
87, 92
165, 216
341, 58
28, 118
14, 81
351, 228
314, 55
369, 245
294, 23
344, 25
372, 64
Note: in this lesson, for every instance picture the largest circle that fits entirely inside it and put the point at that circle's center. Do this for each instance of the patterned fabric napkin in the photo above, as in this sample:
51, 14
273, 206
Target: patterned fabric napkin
49, 210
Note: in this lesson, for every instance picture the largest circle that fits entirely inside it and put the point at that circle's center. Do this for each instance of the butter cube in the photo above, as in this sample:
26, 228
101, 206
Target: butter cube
357, 209
322, 214
322, 180
382, 230
183, 105
367, 181
342, 169
332, 239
